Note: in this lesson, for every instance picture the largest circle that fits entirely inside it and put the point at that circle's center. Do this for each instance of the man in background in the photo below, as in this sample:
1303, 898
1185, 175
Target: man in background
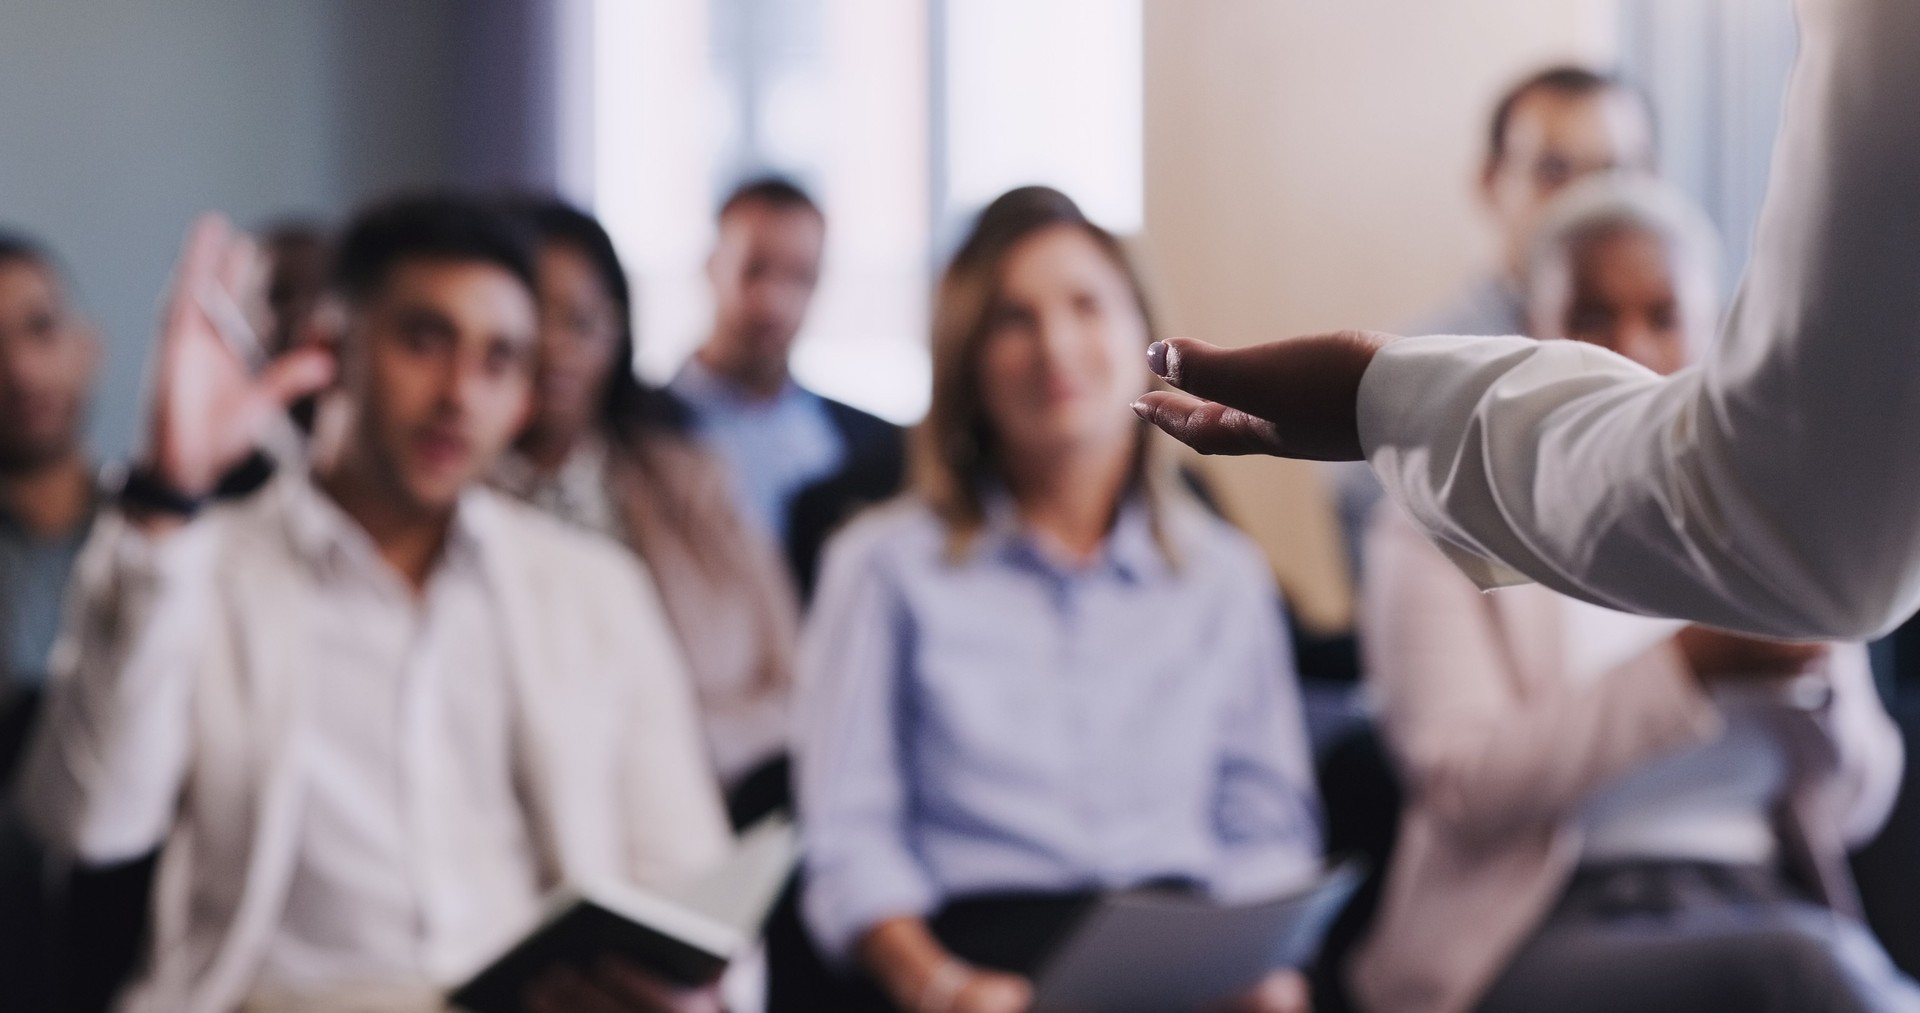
801, 463
1547, 131
49, 357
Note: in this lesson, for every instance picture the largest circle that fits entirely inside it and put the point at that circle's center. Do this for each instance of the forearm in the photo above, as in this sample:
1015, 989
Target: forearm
906, 960
103, 773
1771, 491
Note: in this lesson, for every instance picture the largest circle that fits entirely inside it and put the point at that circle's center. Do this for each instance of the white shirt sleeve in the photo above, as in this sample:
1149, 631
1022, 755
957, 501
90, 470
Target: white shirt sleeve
1774, 489
102, 779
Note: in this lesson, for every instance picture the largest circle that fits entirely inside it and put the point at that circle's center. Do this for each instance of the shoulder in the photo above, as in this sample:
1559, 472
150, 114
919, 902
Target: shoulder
860, 426
903, 527
534, 545
897, 536
1213, 550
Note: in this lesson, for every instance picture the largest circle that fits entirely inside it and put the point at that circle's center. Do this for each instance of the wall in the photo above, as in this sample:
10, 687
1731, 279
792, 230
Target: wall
1310, 166
122, 120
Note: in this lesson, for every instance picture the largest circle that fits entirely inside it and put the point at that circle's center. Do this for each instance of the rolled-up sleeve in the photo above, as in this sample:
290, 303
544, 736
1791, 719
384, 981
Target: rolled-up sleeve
102, 779
854, 795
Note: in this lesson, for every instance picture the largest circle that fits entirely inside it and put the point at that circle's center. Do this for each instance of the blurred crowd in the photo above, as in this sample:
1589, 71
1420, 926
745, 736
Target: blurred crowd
416, 603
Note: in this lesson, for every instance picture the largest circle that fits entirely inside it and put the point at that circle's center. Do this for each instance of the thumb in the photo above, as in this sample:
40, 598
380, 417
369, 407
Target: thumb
297, 374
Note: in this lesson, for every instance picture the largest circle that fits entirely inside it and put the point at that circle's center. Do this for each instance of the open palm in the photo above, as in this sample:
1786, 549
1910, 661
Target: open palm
209, 406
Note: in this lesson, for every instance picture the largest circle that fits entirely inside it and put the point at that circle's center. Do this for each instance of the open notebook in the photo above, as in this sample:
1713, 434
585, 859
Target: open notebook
1157, 951
687, 936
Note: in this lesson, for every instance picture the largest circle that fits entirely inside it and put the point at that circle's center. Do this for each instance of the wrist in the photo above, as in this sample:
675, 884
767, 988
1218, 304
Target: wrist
147, 493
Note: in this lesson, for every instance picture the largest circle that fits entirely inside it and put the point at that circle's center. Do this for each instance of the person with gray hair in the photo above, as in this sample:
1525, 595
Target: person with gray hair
1640, 813
1629, 263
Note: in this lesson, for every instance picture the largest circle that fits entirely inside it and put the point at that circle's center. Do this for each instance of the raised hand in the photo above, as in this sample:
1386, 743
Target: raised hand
209, 406
1290, 398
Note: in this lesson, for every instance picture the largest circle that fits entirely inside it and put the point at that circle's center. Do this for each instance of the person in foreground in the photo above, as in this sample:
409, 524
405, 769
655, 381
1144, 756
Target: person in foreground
1771, 490
1638, 814
607, 452
1046, 672
374, 712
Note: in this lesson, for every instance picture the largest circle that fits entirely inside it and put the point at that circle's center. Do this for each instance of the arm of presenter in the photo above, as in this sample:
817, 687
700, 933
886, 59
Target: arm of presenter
1774, 490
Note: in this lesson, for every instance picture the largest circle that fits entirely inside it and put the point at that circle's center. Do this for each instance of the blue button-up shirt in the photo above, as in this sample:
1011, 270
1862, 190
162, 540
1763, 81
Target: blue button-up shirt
1009, 721
772, 449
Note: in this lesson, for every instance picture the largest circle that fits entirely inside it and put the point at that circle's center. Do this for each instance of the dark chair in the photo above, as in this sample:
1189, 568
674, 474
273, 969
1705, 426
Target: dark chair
1362, 794
1889, 877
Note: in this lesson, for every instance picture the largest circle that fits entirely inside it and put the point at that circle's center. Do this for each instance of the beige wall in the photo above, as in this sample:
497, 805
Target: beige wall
1309, 166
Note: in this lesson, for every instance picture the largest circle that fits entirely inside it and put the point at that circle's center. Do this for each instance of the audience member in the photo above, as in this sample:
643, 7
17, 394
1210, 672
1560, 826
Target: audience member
373, 711
1548, 130
1048, 671
801, 464
49, 357
606, 451
1632, 813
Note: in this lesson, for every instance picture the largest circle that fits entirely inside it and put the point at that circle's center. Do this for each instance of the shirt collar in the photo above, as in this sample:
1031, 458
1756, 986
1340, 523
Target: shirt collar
704, 388
327, 537
1131, 551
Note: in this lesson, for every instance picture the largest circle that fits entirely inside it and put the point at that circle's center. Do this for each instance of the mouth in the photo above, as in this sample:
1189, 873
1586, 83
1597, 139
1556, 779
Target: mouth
441, 450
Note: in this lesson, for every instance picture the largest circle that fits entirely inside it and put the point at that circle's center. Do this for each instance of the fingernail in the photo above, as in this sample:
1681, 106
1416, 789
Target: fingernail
1157, 358
1140, 408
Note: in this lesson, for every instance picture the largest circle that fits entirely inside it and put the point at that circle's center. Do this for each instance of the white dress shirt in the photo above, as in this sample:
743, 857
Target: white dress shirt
773, 448
1709, 802
413, 861
244, 693
1774, 489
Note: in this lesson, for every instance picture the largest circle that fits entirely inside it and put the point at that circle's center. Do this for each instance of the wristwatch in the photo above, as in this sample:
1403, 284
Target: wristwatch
143, 490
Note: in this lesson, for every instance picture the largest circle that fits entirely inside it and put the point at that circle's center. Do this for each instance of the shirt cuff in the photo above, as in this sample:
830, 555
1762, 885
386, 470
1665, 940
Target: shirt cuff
841, 905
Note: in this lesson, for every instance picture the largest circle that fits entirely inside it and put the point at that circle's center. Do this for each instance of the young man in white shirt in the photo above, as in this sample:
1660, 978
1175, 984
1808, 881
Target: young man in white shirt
374, 712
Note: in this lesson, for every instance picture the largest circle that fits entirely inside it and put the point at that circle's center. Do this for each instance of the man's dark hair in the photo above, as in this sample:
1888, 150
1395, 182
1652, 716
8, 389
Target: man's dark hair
20, 248
1565, 80
629, 404
427, 227
777, 192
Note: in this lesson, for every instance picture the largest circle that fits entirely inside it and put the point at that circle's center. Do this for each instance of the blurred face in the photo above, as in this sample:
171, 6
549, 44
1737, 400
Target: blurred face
764, 269
1061, 358
1554, 139
47, 361
1623, 290
439, 366
579, 340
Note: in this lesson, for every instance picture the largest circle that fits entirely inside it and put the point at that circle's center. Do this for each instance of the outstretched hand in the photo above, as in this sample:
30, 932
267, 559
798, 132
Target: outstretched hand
209, 405
1289, 398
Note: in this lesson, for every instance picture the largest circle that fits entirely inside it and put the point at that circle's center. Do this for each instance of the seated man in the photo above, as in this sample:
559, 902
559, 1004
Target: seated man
801, 464
375, 711
1632, 813
48, 359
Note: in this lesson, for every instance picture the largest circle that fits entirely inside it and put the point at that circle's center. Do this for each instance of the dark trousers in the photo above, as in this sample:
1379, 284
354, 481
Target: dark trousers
1677, 937
1012, 932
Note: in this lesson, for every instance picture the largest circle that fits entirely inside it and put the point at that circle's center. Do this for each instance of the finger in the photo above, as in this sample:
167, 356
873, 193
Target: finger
634, 985
199, 263
297, 374
1268, 379
566, 989
1208, 427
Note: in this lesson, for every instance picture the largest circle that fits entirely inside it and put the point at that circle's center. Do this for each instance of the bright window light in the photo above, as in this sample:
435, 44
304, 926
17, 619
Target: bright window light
1044, 91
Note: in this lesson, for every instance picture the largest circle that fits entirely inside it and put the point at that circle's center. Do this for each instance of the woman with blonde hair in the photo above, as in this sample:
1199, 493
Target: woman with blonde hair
1047, 672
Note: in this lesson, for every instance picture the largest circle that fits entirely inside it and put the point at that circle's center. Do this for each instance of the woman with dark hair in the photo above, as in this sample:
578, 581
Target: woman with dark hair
609, 452
1047, 672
